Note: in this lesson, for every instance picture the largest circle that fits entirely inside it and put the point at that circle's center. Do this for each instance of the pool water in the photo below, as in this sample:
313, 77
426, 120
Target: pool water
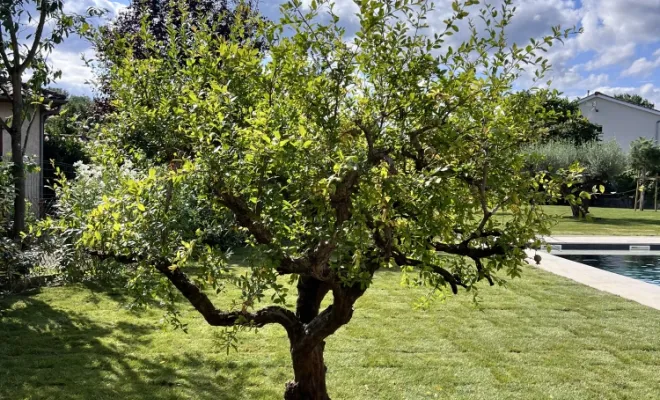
645, 268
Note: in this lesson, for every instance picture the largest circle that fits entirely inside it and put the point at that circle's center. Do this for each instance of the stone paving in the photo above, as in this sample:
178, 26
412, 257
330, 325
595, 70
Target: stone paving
629, 288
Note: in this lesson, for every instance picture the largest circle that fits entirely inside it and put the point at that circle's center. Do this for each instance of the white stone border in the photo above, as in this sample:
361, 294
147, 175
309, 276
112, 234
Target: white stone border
629, 288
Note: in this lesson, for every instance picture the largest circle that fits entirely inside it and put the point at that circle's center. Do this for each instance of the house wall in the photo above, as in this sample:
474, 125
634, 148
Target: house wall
619, 122
33, 182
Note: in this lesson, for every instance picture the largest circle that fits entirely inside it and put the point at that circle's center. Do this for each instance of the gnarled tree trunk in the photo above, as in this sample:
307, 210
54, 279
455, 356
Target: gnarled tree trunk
308, 366
309, 376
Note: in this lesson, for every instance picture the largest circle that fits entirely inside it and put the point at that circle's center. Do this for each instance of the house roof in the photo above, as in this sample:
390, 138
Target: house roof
599, 95
50, 96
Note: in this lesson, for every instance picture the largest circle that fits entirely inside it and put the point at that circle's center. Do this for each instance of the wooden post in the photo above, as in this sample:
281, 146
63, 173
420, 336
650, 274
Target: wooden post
636, 194
655, 197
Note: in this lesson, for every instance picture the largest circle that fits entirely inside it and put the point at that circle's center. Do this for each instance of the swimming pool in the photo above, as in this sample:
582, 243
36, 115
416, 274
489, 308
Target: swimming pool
643, 267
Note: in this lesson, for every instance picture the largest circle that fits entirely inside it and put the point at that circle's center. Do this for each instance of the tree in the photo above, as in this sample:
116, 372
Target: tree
635, 99
561, 119
600, 163
568, 122
645, 156
336, 160
64, 139
24, 43
159, 16
645, 161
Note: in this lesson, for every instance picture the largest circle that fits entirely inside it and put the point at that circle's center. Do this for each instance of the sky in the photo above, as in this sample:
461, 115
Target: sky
618, 51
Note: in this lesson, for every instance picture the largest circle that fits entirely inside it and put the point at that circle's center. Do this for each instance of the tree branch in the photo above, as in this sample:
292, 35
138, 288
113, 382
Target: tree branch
453, 280
27, 133
37, 39
3, 53
248, 219
336, 315
14, 43
200, 301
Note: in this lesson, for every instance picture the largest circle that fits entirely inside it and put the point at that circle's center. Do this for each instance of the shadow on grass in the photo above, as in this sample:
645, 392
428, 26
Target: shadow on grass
613, 221
47, 353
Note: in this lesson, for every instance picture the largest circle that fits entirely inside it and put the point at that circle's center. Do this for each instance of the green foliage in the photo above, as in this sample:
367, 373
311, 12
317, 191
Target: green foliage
77, 198
560, 119
568, 123
75, 118
64, 140
26, 39
635, 99
601, 161
158, 19
278, 141
645, 156
335, 159
14, 262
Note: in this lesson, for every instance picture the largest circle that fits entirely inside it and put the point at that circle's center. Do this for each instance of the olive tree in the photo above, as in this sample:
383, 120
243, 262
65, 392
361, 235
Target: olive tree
335, 157
599, 163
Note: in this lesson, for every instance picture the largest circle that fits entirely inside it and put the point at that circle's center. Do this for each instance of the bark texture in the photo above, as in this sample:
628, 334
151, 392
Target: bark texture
309, 376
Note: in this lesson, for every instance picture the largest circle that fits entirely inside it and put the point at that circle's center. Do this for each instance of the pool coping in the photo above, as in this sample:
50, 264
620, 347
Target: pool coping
604, 243
623, 286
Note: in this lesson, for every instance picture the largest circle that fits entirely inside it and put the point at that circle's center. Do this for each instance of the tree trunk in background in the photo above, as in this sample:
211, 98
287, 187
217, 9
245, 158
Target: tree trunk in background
580, 210
18, 170
309, 376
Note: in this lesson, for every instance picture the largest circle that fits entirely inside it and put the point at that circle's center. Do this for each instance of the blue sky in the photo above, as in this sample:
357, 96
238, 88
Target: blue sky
619, 51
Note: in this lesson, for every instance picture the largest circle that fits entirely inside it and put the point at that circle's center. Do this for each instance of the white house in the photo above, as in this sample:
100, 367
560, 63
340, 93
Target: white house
34, 133
621, 120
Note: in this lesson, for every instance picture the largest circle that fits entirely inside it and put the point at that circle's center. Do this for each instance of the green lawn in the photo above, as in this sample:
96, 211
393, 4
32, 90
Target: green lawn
607, 221
543, 337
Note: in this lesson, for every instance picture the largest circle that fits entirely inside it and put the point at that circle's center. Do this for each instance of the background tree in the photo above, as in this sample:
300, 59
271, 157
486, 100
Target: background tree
601, 164
568, 123
159, 16
64, 142
561, 120
335, 159
645, 156
25, 40
635, 99
645, 162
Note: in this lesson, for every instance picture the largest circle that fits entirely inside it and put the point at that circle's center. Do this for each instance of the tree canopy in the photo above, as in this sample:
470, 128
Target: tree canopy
645, 156
159, 18
568, 123
334, 158
635, 99
560, 119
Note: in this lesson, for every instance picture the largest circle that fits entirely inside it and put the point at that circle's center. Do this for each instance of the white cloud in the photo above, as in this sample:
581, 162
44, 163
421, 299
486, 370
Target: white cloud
75, 74
611, 56
67, 56
614, 28
642, 67
572, 78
